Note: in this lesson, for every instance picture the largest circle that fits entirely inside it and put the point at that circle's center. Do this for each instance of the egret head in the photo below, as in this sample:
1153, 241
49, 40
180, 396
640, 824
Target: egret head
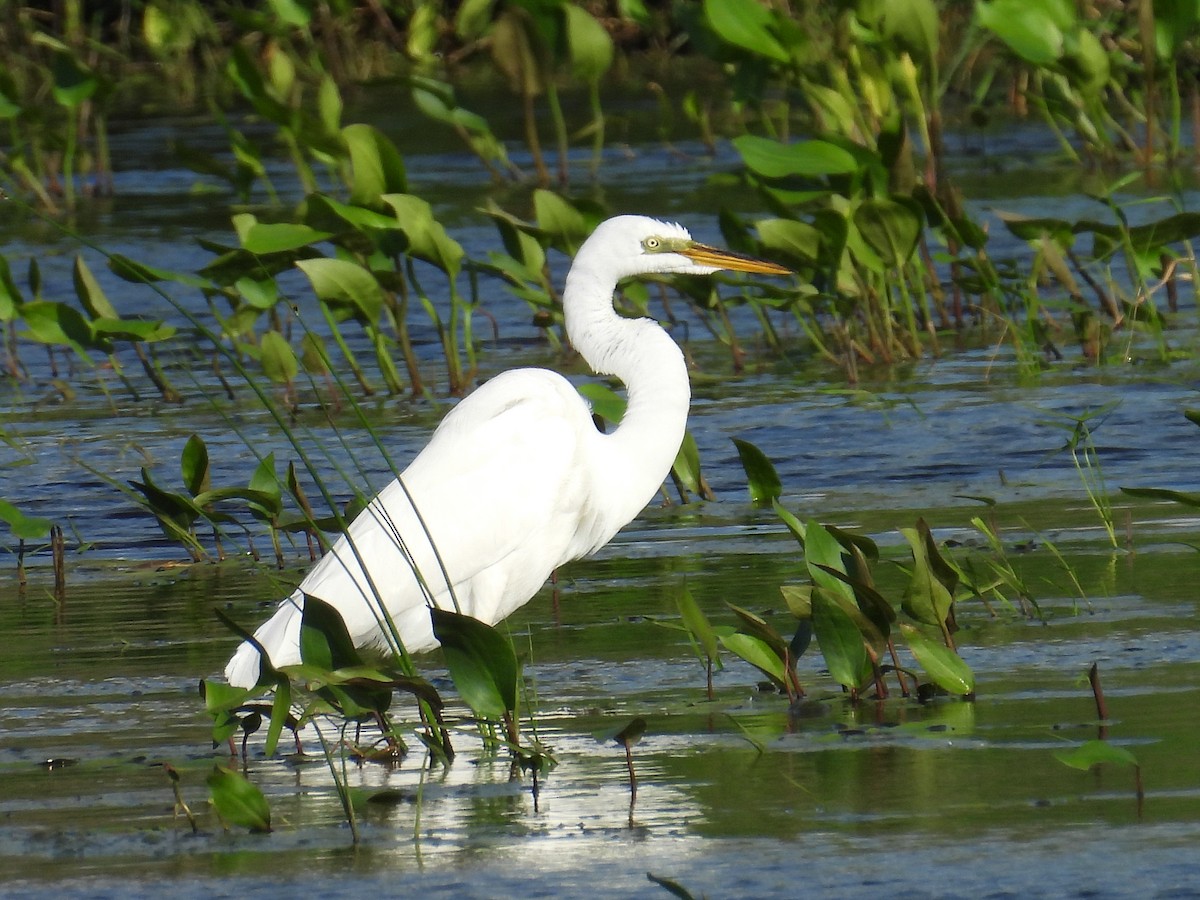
637, 245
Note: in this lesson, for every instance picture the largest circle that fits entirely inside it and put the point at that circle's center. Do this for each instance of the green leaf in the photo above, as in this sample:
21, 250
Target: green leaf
822, 552
947, 669
90, 294
761, 477
56, 323
590, 45
238, 801
746, 24
840, 640
1034, 31
324, 641
1094, 753
10, 295
278, 359
427, 238
481, 662
74, 82
797, 239
697, 623
339, 281
772, 159
21, 525
261, 238
757, 652
931, 587
890, 227
193, 466
265, 483
376, 164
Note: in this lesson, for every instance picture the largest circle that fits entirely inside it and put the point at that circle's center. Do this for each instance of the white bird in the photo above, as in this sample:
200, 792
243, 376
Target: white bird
516, 480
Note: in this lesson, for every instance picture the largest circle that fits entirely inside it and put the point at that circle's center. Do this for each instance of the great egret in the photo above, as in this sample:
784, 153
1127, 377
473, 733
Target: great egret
516, 480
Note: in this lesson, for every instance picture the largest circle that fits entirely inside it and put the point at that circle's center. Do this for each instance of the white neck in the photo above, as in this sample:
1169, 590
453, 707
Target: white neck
638, 455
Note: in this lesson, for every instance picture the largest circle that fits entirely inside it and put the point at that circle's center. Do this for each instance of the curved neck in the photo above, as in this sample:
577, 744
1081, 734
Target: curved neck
639, 453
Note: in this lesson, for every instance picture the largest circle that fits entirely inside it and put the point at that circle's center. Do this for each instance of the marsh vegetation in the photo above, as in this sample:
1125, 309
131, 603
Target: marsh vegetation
253, 252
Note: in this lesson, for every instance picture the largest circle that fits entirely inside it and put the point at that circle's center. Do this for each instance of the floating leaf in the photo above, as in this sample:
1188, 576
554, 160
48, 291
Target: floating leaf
1094, 753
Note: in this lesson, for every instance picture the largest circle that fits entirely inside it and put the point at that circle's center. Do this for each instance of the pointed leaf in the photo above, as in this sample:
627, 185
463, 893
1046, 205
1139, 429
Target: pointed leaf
324, 640
481, 662
761, 477
841, 642
238, 801
947, 669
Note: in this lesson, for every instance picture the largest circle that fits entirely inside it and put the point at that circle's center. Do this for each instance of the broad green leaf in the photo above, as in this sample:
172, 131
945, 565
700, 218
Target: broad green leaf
930, 589
237, 801
590, 45
376, 164
560, 221
1034, 31
758, 627
1094, 753
261, 293
746, 24
797, 239
798, 598
339, 281
890, 227
427, 237
324, 640
841, 642
773, 159
481, 662
22, 525
278, 359
822, 551
56, 323
261, 238
265, 482
947, 669
756, 652
761, 477
193, 466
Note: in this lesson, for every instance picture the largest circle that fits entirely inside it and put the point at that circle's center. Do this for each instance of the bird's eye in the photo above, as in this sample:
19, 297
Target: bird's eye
651, 243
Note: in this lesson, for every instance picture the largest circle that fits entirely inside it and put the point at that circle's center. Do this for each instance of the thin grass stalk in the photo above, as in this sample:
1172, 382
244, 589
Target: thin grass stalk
351, 359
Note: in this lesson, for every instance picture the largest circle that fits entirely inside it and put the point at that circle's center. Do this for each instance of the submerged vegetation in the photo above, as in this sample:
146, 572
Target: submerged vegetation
336, 278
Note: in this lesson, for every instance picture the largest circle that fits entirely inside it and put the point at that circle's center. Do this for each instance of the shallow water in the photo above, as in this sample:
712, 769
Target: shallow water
947, 799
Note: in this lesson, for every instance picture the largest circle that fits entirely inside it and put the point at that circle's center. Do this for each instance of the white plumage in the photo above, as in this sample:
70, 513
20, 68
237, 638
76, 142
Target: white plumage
516, 480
